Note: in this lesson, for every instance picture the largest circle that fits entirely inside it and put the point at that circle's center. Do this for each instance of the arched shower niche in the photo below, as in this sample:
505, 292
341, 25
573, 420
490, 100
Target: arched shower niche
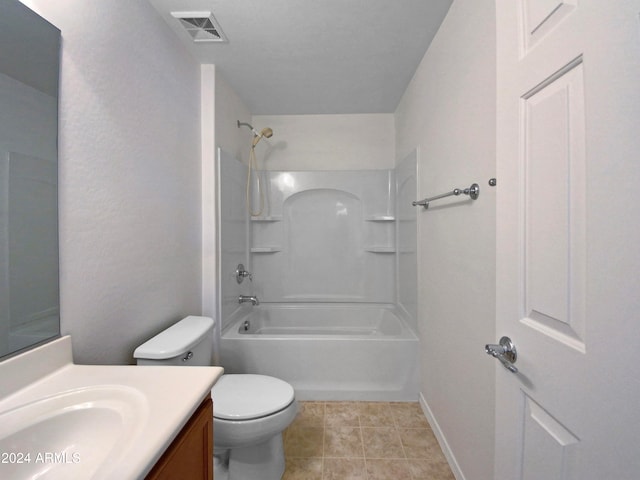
326, 237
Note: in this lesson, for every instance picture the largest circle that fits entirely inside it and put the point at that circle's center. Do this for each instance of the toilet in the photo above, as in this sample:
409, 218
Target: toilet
250, 412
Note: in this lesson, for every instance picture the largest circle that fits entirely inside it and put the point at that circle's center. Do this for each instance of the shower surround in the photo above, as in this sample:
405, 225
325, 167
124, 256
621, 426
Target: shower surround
331, 253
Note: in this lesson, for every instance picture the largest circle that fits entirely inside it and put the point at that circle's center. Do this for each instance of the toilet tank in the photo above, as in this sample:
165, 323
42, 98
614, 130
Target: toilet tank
187, 343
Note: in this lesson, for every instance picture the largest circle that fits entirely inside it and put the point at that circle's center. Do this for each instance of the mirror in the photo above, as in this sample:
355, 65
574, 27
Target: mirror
29, 72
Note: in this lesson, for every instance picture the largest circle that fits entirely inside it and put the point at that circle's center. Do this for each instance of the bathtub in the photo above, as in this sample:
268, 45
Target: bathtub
326, 351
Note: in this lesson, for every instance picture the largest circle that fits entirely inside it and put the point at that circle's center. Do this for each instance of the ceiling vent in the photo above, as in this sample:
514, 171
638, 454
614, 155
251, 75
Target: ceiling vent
202, 26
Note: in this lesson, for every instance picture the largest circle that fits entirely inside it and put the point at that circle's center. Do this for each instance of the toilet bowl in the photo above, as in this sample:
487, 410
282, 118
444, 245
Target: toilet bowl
250, 411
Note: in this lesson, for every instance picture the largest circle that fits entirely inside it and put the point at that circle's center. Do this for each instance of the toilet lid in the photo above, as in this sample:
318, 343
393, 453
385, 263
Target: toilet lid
248, 396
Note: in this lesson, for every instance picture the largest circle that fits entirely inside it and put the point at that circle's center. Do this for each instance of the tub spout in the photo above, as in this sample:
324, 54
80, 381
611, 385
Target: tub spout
246, 298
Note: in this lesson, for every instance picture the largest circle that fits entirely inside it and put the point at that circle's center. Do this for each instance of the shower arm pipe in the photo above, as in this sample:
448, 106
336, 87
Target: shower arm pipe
473, 191
243, 124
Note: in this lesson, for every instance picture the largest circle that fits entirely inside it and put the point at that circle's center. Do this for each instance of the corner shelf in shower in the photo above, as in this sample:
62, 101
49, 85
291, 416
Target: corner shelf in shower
271, 218
380, 218
265, 249
376, 249
380, 234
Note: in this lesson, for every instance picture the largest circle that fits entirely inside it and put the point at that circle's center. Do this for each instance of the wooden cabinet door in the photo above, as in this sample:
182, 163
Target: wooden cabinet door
190, 456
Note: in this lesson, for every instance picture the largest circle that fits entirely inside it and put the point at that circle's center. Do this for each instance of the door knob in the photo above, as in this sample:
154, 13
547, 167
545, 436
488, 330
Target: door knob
505, 351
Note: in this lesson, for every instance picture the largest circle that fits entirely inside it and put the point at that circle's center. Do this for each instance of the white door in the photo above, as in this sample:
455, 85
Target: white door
568, 253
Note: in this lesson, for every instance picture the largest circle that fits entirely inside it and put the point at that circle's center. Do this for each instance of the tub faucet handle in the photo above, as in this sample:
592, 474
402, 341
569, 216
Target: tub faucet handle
241, 273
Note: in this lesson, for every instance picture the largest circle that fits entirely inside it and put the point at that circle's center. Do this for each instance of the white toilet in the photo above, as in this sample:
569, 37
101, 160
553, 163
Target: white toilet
249, 411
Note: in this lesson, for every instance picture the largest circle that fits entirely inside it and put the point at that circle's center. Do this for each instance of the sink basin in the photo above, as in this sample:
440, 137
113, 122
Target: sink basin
59, 420
72, 434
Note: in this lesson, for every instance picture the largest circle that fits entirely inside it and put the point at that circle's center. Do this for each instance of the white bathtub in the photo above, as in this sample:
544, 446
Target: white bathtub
326, 351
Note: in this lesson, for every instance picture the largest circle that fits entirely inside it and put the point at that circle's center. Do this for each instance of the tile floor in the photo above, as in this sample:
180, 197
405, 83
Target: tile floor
362, 441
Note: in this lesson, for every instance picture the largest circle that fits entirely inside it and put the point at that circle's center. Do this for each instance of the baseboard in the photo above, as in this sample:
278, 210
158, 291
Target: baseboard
451, 459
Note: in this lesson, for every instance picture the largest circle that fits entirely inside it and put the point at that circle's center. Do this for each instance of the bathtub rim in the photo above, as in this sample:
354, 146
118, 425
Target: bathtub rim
381, 368
230, 330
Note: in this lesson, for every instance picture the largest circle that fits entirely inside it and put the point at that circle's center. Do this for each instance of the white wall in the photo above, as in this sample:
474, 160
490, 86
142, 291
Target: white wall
229, 109
448, 111
326, 142
208, 182
129, 176
221, 108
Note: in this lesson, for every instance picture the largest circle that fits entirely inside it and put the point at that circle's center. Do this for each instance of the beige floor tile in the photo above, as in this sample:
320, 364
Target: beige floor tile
303, 469
342, 414
375, 414
430, 469
310, 414
388, 469
419, 443
362, 441
409, 415
343, 442
344, 469
382, 442
304, 442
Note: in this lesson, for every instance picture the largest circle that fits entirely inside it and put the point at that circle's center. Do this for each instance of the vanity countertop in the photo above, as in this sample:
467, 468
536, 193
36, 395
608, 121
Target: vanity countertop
140, 409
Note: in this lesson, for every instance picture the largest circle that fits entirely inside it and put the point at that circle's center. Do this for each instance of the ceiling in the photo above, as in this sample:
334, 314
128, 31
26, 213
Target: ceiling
315, 56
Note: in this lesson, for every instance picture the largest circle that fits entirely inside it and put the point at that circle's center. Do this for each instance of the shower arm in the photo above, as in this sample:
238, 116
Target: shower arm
243, 124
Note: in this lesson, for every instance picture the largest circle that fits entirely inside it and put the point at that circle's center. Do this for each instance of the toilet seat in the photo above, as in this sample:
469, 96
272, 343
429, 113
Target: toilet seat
249, 396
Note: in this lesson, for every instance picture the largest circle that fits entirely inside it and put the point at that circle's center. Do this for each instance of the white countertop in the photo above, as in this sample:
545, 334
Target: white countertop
167, 398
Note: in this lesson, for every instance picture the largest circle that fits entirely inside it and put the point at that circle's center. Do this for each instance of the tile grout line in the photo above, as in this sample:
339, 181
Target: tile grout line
324, 429
404, 452
364, 453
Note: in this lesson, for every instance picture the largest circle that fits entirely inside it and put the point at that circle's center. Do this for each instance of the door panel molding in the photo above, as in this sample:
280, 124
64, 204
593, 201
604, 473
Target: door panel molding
552, 206
554, 455
540, 17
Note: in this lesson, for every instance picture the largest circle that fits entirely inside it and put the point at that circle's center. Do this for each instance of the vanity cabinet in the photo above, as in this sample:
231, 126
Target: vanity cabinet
190, 456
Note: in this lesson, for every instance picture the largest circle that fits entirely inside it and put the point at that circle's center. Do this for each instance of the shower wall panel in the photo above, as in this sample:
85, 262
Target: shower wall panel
407, 237
325, 236
232, 232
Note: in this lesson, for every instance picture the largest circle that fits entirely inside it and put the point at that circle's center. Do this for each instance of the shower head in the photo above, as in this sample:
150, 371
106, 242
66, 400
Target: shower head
265, 132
